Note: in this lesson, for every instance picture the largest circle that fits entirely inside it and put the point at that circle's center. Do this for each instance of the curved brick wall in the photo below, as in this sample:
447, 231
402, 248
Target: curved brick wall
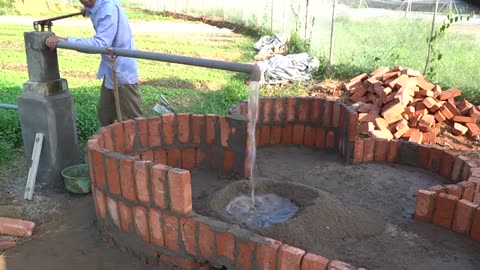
142, 184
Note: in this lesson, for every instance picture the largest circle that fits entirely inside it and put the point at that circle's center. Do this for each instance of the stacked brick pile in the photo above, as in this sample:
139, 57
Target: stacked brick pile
400, 103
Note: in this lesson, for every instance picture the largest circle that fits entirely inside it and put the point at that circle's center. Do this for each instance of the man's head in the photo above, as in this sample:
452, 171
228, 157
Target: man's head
88, 3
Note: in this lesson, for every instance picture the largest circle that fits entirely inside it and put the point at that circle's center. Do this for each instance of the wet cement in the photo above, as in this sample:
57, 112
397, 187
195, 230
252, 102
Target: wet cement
364, 217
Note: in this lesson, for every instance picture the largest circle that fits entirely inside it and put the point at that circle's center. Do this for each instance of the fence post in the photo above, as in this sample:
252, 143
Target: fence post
271, 15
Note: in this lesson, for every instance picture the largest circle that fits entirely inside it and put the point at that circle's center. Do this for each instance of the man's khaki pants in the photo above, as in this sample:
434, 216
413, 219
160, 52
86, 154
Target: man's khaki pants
130, 103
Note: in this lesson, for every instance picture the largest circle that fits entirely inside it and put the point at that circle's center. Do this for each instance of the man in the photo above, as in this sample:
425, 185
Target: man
111, 30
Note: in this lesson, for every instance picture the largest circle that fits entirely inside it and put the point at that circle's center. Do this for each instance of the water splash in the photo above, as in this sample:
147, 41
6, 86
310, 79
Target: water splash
252, 117
269, 209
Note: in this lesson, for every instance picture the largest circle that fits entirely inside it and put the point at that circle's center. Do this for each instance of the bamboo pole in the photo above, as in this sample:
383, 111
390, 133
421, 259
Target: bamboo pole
429, 52
332, 35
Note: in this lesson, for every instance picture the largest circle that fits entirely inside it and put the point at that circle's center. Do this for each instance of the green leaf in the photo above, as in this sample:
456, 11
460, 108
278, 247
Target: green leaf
440, 56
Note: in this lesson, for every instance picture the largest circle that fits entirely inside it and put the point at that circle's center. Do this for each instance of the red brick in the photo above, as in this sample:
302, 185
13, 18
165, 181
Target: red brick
462, 220
228, 160
225, 245
304, 109
368, 150
330, 139
153, 125
338, 265
316, 110
201, 157
450, 93
129, 131
457, 168
459, 129
244, 256
180, 191
327, 113
118, 137
381, 150
275, 135
393, 151
423, 153
266, 257
416, 137
352, 126
287, 134
168, 128
180, 262
473, 129
279, 110
5, 244
267, 109
264, 135
107, 138
174, 157
320, 137
444, 210
160, 156
224, 131
113, 211
475, 232
211, 121
314, 262
155, 221
141, 223
188, 158
113, 180
454, 190
183, 127
336, 111
127, 180
424, 205
437, 189
147, 155
159, 177
98, 168
125, 216
206, 241
141, 181
171, 232
16, 227
291, 109
142, 127
468, 190
290, 258
358, 151
309, 138
446, 163
298, 134
198, 126
189, 228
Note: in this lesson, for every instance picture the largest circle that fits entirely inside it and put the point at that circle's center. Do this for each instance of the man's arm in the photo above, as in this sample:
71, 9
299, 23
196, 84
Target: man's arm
104, 35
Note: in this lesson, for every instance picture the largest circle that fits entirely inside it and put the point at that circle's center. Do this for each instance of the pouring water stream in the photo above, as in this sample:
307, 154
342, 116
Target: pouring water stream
252, 116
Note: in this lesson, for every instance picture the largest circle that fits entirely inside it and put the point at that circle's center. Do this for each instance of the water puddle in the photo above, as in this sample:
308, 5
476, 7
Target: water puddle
269, 209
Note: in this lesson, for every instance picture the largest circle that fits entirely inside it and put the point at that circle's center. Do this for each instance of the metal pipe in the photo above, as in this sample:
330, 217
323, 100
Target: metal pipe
253, 70
8, 106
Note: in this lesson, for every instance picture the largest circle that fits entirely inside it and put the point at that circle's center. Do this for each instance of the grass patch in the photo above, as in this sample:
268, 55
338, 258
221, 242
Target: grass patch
189, 89
360, 46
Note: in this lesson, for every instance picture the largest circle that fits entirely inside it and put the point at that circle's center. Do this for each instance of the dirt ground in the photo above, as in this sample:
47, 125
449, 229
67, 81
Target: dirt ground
365, 215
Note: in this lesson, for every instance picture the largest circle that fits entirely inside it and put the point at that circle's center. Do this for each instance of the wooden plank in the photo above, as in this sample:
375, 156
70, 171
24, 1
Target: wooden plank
32, 172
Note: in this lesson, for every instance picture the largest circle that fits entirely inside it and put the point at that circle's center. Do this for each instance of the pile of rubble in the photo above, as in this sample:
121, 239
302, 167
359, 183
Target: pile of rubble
400, 103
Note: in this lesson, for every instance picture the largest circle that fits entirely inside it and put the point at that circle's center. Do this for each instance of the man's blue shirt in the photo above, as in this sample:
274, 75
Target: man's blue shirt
112, 30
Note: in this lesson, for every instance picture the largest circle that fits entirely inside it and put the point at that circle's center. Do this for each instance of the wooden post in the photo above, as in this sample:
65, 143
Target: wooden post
271, 15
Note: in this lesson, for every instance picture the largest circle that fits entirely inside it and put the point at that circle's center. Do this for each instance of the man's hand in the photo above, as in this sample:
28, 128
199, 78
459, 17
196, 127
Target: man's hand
52, 41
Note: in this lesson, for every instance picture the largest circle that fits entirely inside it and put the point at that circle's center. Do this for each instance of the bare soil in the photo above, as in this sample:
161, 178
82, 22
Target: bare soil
364, 218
